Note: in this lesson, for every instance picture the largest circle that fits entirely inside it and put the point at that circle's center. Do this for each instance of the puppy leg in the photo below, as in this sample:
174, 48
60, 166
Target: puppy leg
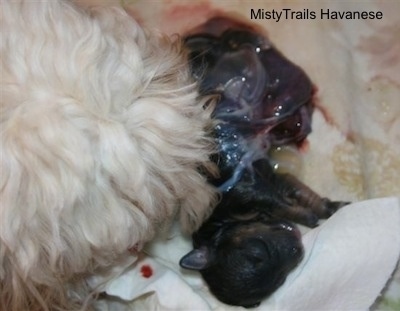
304, 196
289, 198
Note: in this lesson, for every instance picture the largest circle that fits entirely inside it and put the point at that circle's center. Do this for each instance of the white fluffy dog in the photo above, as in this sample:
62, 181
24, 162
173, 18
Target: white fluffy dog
102, 142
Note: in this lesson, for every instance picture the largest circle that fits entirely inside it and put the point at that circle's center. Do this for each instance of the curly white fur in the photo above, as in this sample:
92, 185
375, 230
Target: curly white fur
102, 138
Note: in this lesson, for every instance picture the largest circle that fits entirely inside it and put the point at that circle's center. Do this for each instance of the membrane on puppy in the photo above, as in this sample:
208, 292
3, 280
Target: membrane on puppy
266, 100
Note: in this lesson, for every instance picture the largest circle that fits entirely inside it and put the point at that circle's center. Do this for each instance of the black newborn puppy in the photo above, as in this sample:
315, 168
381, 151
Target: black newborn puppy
245, 261
245, 250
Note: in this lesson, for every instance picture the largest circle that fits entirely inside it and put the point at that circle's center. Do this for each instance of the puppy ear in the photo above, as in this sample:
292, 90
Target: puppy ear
197, 259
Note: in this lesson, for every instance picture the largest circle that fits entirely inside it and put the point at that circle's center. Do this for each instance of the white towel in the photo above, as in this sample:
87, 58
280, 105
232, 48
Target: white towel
348, 260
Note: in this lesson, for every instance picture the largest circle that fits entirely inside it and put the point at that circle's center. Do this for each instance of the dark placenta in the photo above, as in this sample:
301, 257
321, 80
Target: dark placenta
265, 99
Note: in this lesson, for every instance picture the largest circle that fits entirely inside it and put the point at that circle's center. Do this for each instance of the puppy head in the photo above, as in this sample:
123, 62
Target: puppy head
243, 262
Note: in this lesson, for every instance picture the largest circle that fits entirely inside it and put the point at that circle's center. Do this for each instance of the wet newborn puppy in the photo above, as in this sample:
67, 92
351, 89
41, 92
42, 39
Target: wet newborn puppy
245, 250
243, 261
102, 138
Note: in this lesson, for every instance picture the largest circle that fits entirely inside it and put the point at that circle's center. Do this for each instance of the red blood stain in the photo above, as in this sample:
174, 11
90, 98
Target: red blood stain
303, 146
183, 17
318, 106
146, 271
187, 11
